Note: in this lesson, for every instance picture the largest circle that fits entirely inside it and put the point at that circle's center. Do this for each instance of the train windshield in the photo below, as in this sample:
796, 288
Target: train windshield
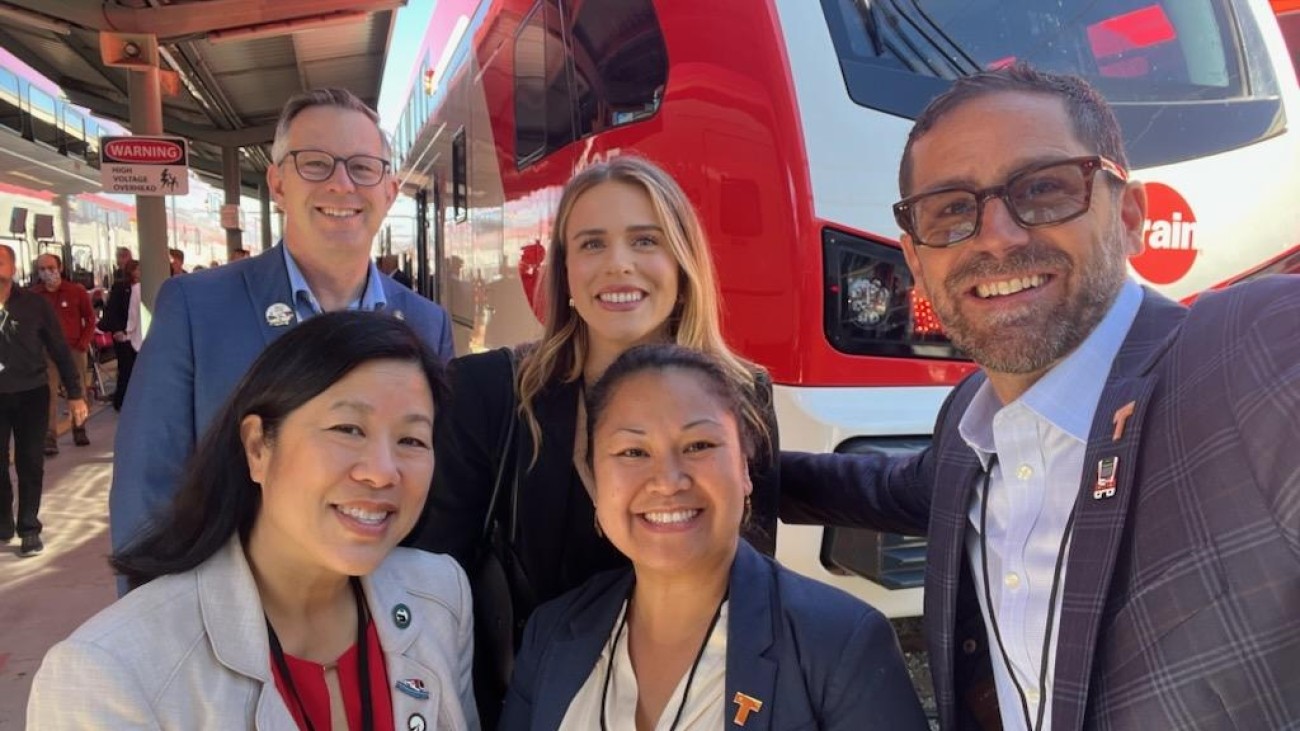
1135, 50
1196, 69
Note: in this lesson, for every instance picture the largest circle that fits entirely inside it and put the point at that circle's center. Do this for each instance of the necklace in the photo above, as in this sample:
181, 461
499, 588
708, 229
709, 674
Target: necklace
363, 663
1051, 605
690, 677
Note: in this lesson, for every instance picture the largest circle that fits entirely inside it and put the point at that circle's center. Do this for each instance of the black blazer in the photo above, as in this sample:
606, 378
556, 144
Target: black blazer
115, 310
556, 536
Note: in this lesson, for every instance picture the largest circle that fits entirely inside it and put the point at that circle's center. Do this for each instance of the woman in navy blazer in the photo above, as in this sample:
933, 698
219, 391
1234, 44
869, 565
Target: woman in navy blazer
703, 631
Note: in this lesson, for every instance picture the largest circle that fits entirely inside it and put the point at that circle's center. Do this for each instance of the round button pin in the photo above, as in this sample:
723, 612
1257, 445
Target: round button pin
416, 723
402, 616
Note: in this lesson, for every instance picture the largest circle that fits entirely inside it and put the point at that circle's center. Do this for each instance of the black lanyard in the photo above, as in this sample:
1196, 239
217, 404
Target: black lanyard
690, 678
363, 664
1051, 604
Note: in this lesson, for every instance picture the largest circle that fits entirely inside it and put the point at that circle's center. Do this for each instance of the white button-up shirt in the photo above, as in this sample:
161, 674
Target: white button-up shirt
1039, 441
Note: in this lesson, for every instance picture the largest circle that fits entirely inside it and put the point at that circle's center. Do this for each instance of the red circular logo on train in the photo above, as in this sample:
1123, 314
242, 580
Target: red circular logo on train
1168, 235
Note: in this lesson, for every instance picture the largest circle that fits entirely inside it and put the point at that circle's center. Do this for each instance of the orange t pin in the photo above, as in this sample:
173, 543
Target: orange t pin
1121, 419
745, 705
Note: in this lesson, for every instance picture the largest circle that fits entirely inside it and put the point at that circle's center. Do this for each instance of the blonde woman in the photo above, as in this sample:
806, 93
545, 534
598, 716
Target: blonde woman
627, 264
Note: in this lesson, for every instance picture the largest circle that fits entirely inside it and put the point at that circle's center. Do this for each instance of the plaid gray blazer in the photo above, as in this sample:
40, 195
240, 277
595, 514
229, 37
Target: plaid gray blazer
1182, 596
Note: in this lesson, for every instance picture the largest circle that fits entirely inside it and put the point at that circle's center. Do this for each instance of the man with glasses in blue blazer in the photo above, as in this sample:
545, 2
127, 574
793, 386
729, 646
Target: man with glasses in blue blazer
332, 176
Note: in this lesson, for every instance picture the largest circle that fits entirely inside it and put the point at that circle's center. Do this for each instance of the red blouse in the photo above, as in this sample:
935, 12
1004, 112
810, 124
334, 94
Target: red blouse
309, 680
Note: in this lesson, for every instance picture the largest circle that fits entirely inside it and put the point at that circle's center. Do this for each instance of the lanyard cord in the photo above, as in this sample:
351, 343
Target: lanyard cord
690, 678
1051, 605
363, 663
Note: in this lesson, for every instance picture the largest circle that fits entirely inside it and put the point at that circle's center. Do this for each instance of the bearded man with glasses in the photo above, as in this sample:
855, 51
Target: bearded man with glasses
332, 177
1113, 501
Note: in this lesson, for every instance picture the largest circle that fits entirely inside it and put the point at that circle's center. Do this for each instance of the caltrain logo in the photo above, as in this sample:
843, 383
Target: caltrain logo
144, 151
1168, 235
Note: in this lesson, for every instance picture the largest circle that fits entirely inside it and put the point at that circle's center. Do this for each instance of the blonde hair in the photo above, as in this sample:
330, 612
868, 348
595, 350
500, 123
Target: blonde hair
695, 321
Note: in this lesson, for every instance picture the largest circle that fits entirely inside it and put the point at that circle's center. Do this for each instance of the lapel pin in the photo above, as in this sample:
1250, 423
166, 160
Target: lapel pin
279, 315
414, 687
399, 315
745, 704
1121, 419
416, 723
1106, 469
402, 616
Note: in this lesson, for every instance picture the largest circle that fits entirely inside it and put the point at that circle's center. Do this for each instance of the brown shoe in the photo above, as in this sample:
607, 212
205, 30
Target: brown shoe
79, 437
51, 444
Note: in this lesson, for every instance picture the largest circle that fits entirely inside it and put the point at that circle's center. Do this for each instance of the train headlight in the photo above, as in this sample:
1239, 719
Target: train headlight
871, 306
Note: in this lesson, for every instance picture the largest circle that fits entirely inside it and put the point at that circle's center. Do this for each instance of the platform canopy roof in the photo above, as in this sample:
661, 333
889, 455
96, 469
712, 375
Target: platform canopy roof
237, 61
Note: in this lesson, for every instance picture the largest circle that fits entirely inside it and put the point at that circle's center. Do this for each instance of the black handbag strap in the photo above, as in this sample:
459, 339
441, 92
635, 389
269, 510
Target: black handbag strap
504, 451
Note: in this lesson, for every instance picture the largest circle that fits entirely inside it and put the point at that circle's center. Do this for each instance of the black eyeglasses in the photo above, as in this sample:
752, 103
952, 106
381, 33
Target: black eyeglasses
317, 166
1042, 195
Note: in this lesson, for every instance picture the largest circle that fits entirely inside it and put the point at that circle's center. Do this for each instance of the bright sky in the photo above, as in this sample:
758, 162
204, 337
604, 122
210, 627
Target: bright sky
403, 54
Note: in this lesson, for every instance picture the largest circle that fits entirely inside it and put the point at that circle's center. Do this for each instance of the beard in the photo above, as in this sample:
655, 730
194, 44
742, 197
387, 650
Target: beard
1032, 338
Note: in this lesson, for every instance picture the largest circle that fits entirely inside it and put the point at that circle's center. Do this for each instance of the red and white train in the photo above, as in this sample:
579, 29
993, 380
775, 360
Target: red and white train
784, 121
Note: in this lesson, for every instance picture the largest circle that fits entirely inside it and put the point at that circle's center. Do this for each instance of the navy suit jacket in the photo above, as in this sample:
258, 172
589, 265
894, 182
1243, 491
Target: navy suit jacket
816, 657
208, 327
1181, 606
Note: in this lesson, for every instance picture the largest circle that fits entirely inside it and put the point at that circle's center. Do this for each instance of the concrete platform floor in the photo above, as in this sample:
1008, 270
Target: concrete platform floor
44, 598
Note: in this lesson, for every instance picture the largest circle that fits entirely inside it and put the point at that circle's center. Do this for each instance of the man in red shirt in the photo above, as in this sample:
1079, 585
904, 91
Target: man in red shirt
71, 302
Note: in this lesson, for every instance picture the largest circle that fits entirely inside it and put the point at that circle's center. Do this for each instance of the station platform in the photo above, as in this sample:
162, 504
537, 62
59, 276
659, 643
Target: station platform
44, 598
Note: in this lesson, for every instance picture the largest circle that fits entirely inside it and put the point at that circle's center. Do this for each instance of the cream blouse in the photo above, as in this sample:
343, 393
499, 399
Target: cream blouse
704, 706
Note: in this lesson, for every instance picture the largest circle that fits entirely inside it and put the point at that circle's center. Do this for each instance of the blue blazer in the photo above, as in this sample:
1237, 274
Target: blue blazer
815, 656
208, 328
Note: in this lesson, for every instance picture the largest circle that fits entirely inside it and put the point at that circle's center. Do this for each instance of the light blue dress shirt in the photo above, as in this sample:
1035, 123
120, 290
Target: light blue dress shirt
305, 304
1040, 440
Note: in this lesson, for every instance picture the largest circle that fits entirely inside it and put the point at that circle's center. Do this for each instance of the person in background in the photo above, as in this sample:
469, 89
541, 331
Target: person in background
1112, 501
71, 303
628, 264
238, 254
177, 257
271, 596
115, 317
388, 265
703, 632
31, 337
131, 338
333, 179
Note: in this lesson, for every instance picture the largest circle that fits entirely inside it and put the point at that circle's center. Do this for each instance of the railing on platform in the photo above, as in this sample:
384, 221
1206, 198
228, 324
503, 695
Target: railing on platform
41, 118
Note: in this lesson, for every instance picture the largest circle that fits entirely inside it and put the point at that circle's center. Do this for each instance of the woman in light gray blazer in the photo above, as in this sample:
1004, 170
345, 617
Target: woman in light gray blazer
273, 596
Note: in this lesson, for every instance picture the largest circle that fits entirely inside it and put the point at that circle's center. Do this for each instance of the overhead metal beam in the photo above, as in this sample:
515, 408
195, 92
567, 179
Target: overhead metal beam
262, 134
91, 58
29, 57
191, 19
196, 19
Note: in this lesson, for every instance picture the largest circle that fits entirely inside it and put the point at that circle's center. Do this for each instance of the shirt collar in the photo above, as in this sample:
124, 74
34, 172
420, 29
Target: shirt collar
372, 297
1067, 395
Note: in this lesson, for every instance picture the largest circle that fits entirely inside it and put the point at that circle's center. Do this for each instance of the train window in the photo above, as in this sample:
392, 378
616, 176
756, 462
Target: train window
10, 106
18, 220
1187, 78
543, 108
459, 177
620, 63
44, 226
